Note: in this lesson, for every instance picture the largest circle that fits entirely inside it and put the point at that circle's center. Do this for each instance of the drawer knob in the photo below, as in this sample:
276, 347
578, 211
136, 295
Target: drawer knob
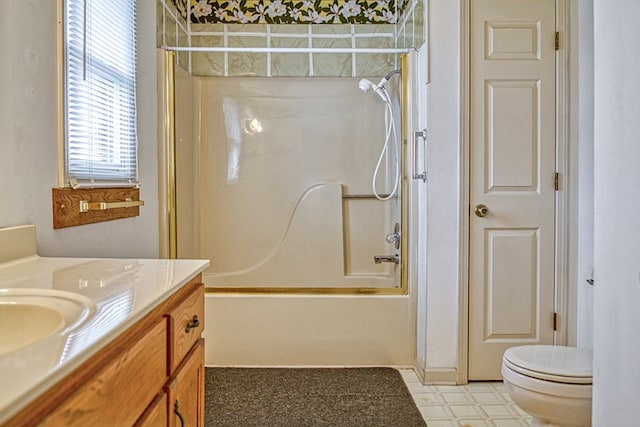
193, 324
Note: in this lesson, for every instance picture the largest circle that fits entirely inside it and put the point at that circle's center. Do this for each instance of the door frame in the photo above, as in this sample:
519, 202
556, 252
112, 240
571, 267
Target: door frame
566, 197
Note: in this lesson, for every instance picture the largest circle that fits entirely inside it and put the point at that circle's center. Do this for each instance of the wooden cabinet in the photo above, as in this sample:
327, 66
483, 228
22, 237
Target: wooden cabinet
187, 408
145, 377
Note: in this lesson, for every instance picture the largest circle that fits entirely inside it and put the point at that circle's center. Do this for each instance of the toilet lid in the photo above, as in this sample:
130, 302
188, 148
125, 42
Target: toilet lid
552, 363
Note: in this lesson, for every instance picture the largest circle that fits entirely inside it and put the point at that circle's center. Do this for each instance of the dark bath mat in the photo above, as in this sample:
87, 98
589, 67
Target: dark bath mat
298, 397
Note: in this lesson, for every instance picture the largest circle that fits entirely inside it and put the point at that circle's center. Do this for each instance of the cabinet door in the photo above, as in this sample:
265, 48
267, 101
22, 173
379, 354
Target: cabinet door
186, 391
120, 392
156, 413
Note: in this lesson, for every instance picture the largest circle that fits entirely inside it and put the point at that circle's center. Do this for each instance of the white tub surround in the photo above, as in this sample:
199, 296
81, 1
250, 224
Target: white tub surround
123, 290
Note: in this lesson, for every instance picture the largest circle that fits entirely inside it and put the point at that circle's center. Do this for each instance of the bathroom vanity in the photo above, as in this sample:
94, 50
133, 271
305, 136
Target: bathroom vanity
131, 354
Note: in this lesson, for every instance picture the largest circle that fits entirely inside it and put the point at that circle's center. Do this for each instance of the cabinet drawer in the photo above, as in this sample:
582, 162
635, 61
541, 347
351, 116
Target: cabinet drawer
186, 323
119, 392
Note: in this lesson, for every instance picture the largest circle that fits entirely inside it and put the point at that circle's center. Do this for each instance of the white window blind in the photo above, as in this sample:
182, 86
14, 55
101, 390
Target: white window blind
100, 93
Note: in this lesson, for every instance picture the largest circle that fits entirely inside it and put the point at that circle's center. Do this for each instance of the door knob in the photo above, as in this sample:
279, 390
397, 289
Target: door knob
481, 211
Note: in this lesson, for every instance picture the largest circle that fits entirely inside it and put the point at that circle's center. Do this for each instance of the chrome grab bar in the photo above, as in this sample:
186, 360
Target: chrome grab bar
363, 196
416, 135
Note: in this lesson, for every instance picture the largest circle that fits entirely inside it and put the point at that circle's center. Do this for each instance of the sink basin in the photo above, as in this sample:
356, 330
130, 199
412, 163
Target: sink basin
28, 316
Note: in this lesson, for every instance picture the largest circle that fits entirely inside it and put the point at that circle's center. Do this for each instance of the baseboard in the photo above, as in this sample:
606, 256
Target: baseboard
442, 376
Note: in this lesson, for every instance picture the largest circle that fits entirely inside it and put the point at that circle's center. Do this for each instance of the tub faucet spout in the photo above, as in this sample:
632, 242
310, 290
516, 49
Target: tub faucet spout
378, 259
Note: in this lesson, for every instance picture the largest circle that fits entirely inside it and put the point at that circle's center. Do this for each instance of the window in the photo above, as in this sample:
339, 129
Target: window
100, 146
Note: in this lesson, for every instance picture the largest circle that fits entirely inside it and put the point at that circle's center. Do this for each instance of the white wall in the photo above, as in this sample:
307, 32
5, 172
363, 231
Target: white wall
28, 129
419, 215
583, 336
616, 381
443, 191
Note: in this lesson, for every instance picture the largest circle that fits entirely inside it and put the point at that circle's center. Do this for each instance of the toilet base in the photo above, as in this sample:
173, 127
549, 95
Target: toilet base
549, 404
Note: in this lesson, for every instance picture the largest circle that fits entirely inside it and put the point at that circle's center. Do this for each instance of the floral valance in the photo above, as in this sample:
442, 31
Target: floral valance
291, 12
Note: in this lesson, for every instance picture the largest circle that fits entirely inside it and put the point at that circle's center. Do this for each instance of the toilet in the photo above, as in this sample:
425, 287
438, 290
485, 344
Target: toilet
551, 383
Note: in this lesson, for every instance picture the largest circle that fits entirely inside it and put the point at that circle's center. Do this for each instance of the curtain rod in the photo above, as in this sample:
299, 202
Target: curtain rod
284, 49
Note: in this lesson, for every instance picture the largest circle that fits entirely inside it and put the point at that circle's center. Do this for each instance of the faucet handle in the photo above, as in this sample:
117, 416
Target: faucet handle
392, 238
395, 236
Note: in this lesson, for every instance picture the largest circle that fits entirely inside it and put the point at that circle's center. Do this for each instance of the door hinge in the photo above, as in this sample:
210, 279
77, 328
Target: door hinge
557, 40
556, 181
555, 321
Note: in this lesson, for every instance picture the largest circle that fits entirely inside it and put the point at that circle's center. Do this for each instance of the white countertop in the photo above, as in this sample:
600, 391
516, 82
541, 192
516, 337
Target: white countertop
124, 290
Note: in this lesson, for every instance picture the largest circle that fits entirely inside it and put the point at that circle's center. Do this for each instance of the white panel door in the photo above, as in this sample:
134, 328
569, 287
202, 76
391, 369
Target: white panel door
512, 160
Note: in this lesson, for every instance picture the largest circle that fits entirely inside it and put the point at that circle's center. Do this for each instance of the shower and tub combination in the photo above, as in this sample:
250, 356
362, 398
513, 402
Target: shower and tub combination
292, 183
296, 189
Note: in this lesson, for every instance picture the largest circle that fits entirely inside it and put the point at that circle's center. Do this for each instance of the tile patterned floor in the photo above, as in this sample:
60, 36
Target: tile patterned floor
481, 404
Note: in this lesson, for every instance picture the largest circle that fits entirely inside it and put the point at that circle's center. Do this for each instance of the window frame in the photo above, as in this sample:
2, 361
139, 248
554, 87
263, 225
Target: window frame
68, 197
83, 175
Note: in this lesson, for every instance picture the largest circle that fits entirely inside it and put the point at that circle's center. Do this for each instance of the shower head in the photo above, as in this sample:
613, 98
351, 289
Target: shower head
366, 85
